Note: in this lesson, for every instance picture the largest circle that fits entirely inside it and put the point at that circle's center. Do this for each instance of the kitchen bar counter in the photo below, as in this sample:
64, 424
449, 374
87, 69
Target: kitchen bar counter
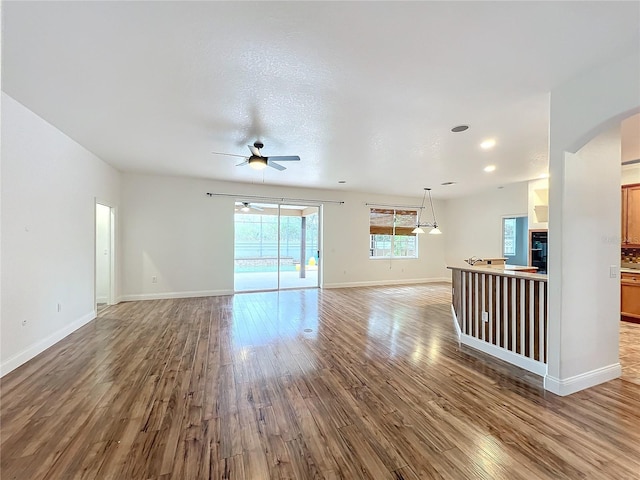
516, 271
502, 310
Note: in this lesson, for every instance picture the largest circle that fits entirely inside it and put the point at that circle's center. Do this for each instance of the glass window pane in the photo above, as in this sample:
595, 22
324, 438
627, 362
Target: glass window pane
390, 233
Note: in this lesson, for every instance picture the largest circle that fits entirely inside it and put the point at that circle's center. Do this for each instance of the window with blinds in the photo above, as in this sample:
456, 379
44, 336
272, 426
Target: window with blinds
390, 233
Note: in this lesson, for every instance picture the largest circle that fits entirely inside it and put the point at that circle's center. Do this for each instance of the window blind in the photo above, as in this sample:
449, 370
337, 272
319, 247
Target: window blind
381, 221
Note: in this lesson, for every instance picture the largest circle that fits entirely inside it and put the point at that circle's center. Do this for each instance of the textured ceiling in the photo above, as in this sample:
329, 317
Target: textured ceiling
364, 92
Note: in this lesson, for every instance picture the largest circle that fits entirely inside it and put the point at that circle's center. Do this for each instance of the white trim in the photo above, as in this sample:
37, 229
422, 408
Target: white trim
455, 322
389, 283
521, 361
112, 298
167, 295
576, 383
40, 346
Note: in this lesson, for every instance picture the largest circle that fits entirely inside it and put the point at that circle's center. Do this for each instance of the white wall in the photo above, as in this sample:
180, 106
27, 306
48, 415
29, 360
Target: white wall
584, 224
474, 222
49, 185
178, 234
591, 245
630, 133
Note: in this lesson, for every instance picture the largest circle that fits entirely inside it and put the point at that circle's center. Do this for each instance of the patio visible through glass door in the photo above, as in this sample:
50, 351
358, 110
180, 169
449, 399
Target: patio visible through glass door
299, 250
276, 246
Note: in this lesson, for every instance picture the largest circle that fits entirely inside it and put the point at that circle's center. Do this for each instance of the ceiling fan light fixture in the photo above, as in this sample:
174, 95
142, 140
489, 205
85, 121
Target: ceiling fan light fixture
258, 163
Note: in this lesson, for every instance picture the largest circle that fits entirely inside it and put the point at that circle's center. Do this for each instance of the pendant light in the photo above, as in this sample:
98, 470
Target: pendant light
434, 226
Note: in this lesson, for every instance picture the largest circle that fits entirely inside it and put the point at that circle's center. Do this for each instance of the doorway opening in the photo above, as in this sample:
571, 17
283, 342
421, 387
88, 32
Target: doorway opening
104, 259
276, 246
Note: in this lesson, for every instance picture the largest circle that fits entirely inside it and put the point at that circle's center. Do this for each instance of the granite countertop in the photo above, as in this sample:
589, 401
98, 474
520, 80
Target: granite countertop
515, 268
503, 270
630, 270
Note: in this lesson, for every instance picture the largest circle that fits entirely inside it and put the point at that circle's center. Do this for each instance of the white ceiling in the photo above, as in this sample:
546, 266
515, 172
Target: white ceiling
365, 92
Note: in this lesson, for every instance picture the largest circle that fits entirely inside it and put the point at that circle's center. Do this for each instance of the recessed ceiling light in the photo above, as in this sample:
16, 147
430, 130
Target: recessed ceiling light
487, 144
489, 168
448, 183
460, 128
342, 181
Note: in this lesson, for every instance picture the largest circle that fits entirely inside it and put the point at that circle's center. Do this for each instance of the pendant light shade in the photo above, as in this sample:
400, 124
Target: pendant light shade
434, 226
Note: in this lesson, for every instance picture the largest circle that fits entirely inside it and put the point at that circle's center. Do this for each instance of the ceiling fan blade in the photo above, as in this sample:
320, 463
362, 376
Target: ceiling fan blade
229, 154
254, 151
276, 166
243, 163
286, 158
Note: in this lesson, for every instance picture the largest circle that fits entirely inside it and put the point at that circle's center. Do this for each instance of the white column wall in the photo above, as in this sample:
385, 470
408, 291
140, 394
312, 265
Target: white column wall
185, 238
584, 230
49, 187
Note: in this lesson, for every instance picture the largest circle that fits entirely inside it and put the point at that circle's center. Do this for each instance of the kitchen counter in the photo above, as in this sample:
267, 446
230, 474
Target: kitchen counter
502, 270
630, 294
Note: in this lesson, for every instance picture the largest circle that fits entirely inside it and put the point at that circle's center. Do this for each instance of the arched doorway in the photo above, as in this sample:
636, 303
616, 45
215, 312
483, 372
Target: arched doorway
584, 224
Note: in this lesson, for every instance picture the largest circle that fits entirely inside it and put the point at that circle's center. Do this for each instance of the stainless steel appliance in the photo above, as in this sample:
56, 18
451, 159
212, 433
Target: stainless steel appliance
538, 250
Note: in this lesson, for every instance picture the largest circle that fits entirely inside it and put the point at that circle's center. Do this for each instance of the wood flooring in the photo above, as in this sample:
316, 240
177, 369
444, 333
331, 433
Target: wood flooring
359, 383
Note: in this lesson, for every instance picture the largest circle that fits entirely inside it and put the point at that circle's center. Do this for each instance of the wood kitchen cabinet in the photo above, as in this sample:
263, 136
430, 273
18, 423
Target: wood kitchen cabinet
631, 216
630, 295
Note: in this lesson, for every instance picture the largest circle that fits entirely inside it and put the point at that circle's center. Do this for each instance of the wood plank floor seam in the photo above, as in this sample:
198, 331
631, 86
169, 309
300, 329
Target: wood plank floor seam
354, 383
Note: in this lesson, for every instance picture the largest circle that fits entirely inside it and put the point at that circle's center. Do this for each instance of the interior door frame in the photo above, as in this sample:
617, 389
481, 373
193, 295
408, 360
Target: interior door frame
111, 291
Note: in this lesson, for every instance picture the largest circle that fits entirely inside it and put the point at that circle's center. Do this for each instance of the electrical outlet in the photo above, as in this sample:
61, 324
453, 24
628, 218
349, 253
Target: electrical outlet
485, 316
154, 279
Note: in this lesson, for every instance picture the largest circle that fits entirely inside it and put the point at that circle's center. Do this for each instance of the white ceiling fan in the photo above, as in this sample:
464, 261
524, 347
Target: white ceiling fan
258, 161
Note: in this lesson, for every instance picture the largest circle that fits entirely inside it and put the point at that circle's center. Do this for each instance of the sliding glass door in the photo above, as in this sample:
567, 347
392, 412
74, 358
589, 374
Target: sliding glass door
276, 246
299, 250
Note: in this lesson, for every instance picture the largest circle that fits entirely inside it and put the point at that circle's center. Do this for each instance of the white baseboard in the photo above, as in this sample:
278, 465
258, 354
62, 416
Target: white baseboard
166, 295
102, 299
40, 346
516, 359
456, 324
387, 283
567, 386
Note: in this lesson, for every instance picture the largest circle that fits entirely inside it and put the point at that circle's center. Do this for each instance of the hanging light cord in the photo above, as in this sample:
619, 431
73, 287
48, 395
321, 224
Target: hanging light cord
422, 207
433, 212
